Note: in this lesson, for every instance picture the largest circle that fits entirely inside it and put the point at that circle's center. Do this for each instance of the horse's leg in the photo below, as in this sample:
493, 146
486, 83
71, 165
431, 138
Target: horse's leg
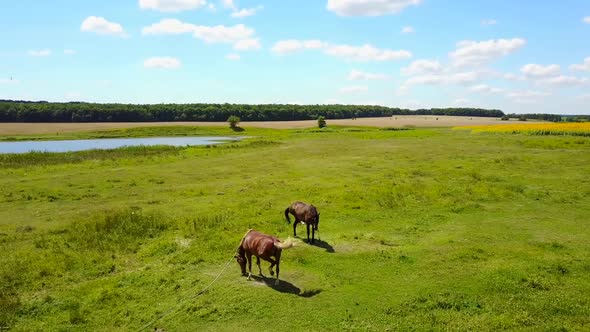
249, 257
307, 232
258, 263
295, 227
272, 264
278, 256
313, 234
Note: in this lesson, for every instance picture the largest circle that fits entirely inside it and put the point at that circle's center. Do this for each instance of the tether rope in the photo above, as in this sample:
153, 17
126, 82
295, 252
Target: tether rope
186, 299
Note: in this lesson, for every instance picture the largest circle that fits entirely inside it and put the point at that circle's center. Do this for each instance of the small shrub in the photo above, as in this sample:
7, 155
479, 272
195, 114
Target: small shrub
505, 118
321, 121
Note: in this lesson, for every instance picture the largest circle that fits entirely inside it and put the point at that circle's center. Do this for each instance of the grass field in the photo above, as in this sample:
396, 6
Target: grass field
394, 121
423, 229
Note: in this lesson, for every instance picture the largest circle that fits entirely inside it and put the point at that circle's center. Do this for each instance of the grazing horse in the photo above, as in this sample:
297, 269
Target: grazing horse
304, 213
262, 246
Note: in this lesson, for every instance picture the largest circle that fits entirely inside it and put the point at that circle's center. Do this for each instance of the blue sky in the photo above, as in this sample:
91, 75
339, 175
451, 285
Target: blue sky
519, 56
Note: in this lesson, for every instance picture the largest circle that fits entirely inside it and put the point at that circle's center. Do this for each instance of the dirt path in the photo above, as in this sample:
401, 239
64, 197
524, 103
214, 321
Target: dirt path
395, 121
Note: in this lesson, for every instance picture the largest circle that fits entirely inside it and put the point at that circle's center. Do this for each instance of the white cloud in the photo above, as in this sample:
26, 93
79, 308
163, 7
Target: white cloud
351, 89
229, 4
239, 34
233, 57
537, 71
463, 78
483, 88
586, 20
478, 53
526, 94
171, 5
101, 26
162, 62
369, 7
366, 52
461, 102
427, 79
247, 44
408, 29
563, 80
40, 53
513, 77
489, 22
313, 44
245, 12
582, 67
466, 77
288, 46
169, 27
357, 75
70, 52
223, 34
422, 67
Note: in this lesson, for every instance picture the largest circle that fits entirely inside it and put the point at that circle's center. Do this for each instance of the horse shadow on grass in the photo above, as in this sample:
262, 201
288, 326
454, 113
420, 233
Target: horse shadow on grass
286, 287
322, 244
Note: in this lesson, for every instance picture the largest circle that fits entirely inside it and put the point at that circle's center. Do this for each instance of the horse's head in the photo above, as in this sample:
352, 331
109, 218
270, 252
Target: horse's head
242, 261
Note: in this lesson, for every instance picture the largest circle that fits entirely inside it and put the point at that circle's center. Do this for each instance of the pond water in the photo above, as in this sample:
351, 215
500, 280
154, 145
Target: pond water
107, 143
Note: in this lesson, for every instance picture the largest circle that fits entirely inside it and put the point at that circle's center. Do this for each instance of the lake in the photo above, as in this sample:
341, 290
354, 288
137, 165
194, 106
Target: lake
107, 143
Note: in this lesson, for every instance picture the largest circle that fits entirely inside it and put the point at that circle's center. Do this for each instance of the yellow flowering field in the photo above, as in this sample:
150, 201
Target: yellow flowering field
574, 129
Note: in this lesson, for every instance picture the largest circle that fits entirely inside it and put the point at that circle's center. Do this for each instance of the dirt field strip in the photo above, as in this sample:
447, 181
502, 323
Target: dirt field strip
395, 121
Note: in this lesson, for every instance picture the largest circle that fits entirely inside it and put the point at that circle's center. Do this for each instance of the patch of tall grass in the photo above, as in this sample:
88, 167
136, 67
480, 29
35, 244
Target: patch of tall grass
116, 230
50, 158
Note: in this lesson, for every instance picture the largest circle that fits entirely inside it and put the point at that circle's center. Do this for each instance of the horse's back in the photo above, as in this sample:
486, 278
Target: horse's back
259, 244
303, 210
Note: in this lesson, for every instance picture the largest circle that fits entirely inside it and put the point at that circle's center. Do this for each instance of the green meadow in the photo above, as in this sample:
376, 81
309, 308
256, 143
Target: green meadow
421, 229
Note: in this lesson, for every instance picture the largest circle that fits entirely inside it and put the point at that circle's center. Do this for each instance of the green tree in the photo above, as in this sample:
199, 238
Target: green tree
233, 121
321, 121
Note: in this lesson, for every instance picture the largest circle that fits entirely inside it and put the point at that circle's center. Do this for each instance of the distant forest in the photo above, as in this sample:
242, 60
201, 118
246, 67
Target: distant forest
23, 111
42, 111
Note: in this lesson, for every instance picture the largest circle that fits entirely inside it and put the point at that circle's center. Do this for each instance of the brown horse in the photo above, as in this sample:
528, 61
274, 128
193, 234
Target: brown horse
304, 213
262, 246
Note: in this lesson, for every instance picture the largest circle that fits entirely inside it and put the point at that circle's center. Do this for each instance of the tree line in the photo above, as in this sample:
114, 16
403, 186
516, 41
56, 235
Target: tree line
537, 116
24, 111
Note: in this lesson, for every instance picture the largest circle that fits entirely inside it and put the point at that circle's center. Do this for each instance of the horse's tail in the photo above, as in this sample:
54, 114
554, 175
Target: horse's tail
287, 215
289, 243
317, 222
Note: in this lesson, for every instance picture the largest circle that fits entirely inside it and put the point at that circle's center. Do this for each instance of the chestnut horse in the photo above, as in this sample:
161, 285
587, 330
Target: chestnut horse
304, 213
262, 246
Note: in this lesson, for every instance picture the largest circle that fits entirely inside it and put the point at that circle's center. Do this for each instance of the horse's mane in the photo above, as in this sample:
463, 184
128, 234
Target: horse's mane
243, 237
